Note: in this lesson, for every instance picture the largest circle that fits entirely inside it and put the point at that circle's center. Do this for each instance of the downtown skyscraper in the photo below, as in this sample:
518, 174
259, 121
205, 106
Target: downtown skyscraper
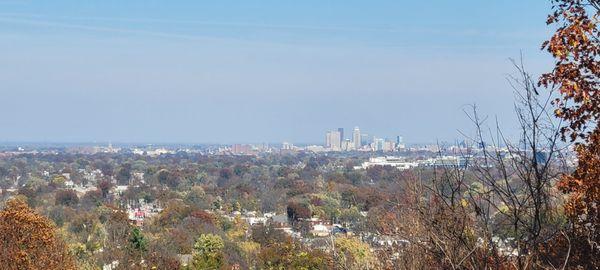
334, 140
356, 138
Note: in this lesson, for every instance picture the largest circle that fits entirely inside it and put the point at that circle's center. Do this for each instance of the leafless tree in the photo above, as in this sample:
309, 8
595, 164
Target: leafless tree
463, 215
513, 195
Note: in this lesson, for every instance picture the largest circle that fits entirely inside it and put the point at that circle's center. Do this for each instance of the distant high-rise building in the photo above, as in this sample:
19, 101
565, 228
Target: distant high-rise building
336, 140
333, 140
399, 140
341, 131
356, 138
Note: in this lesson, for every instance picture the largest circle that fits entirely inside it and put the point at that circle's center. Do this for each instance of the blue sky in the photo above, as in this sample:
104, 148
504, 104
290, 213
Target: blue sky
258, 71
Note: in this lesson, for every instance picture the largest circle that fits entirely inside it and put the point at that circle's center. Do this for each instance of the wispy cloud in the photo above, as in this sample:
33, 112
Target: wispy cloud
460, 32
206, 23
43, 23
390, 36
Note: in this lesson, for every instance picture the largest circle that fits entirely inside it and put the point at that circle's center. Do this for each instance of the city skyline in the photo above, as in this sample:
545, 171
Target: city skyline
348, 137
336, 141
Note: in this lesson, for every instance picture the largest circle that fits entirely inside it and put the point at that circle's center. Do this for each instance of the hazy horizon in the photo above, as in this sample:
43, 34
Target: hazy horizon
259, 71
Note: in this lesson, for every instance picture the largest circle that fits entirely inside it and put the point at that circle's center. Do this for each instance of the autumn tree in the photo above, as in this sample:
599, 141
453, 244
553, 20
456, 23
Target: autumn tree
124, 174
117, 232
351, 253
91, 199
30, 241
161, 257
267, 234
297, 211
575, 46
104, 186
66, 197
291, 255
168, 178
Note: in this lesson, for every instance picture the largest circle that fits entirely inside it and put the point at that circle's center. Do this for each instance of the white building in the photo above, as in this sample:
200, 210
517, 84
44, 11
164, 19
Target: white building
320, 230
334, 140
356, 139
315, 148
396, 162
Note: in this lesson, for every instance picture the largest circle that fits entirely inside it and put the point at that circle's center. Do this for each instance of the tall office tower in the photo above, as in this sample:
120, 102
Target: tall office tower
356, 138
400, 142
341, 131
334, 140
328, 140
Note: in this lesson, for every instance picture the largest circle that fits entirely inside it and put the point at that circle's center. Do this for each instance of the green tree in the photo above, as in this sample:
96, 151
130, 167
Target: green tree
208, 252
137, 242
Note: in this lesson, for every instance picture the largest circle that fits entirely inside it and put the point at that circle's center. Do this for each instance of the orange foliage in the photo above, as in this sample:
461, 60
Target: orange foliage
29, 241
576, 47
583, 187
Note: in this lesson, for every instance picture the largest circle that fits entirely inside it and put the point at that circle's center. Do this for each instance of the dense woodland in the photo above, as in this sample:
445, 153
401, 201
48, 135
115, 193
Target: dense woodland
194, 191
